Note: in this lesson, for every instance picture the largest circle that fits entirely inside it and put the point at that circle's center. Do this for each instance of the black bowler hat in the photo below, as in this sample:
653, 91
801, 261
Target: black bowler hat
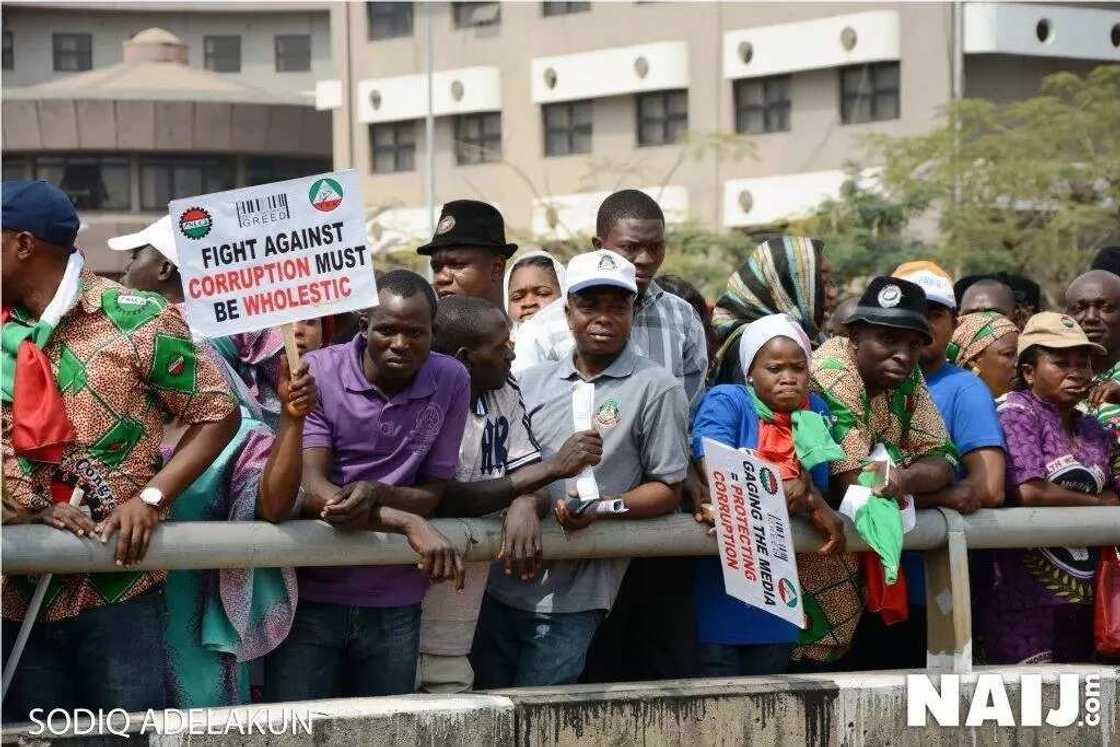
893, 302
470, 223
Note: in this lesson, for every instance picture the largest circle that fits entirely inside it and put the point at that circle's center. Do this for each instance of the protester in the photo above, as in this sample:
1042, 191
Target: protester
837, 325
499, 470
537, 631
875, 392
532, 281
736, 639
784, 275
379, 448
89, 370
1028, 297
469, 251
1108, 259
681, 288
988, 294
1093, 300
657, 592
1039, 606
986, 344
218, 621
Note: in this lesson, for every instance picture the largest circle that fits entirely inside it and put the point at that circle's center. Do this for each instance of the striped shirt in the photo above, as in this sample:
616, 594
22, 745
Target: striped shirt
666, 330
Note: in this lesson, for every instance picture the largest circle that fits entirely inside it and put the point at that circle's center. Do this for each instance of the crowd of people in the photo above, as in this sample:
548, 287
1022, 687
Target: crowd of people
456, 398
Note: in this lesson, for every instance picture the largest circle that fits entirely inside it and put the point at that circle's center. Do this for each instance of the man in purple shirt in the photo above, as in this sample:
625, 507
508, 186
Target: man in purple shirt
378, 450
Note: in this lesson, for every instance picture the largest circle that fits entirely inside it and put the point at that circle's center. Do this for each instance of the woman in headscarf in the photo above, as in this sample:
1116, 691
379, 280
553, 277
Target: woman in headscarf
532, 281
985, 343
789, 275
1039, 606
880, 406
774, 415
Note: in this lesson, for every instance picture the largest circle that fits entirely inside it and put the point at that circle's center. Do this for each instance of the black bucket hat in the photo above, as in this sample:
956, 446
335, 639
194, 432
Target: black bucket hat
893, 302
470, 223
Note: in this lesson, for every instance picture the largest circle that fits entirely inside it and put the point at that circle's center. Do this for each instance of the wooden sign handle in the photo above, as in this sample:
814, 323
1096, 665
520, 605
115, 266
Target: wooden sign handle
290, 348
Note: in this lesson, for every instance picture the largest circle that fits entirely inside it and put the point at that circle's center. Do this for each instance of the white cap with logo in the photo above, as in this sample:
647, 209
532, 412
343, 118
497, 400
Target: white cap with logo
157, 235
602, 267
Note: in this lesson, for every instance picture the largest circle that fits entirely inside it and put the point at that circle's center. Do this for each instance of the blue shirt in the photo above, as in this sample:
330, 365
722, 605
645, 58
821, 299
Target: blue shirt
969, 412
727, 415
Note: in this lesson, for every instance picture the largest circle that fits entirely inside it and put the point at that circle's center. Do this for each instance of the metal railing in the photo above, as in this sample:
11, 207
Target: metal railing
943, 535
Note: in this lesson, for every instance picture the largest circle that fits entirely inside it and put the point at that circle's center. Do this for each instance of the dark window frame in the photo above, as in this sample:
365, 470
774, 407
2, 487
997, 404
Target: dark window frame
403, 152
280, 40
221, 181
553, 8
8, 61
770, 104
665, 121
874, 90
462, 15
387, 20
573, 132
83, 58
266, 169
480, 148
90, 201
211, 57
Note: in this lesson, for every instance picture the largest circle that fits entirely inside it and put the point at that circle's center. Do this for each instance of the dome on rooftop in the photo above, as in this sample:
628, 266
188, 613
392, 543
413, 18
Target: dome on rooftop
155, 45
155, 35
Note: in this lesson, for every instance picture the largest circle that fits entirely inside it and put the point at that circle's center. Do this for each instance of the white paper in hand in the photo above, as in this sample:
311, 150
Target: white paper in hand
583, 403
857, 495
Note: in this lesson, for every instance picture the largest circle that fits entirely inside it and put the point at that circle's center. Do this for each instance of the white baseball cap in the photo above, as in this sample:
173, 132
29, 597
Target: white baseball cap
157, 235
602, 267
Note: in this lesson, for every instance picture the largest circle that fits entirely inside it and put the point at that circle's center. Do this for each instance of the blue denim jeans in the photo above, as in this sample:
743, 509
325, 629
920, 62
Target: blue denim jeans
721, 660
335, 650
106, 657
514, 648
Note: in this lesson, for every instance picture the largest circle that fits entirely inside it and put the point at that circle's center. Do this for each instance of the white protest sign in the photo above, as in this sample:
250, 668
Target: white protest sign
269, 255
753, 531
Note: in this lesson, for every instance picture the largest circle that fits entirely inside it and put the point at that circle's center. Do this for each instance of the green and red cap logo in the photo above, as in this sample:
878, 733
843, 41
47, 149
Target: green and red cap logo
325, 194
195, 223
768, 480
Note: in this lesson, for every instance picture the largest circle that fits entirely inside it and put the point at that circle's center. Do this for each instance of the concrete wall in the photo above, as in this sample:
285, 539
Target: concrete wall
32, 27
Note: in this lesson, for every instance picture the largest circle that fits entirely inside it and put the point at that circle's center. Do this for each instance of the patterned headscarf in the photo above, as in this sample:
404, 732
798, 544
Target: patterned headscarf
781, 275
975, 332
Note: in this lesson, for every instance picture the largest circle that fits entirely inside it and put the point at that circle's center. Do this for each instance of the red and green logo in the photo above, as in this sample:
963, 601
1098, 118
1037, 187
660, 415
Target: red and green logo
195, 223
768, 480
325, 194
787, 592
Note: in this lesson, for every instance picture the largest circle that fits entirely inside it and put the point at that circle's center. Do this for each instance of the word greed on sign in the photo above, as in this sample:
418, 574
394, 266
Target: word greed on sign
989, 701
752, 527
277, 253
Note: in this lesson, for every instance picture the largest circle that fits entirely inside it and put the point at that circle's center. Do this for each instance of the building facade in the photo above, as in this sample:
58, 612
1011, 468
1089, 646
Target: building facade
740, 115
128, 106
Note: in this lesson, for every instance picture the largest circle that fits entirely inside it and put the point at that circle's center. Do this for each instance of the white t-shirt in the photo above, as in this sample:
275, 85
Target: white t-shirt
498, 439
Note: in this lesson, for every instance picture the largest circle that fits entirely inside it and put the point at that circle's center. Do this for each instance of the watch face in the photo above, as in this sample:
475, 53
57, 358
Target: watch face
151, 496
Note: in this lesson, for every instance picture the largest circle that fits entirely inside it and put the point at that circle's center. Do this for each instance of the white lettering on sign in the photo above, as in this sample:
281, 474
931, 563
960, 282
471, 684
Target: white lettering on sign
989, 701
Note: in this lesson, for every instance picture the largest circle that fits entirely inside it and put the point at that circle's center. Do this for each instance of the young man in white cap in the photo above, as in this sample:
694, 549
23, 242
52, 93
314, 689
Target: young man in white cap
537, 632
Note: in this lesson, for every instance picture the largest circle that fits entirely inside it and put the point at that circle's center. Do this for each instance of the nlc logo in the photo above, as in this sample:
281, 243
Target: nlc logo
990, 702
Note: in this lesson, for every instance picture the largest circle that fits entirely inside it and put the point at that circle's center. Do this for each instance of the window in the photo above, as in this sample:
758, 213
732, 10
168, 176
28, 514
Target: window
72, 52
869, 93
762, 104
563, 9
166, 179
265, 170
293, 53
9, 58
91, 182
14, 168
388, 20
392, 147
222, 54
567, 128
662, 117
478, 138
476, 14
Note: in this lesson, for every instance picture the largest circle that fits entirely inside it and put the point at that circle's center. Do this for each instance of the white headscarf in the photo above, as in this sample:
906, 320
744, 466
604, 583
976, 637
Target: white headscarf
557, 266
762, 331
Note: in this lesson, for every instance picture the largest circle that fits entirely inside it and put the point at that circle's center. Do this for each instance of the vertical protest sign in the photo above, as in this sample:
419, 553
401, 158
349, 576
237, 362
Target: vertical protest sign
274, 254
753, 531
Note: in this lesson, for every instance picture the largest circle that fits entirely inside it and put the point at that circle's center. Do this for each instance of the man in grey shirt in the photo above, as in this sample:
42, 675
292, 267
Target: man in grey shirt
537, 632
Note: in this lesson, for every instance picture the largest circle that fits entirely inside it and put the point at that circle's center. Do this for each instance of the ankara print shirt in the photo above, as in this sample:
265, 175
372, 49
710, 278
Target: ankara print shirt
123, 361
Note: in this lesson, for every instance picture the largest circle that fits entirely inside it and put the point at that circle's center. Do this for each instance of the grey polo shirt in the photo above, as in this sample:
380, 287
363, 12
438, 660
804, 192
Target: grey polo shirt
642, 413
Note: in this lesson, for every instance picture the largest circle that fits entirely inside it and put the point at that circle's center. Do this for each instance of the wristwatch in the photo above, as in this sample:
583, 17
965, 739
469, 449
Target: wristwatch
152, 496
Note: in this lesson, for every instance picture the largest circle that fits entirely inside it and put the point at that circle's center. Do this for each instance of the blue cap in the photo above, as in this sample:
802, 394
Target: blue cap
41, 209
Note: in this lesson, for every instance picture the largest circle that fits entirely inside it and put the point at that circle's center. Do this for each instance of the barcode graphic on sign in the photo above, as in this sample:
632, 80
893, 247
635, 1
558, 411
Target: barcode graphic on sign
778, 539
267, 209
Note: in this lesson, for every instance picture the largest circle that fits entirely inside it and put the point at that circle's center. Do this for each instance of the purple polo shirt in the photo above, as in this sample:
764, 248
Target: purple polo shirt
402, 440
